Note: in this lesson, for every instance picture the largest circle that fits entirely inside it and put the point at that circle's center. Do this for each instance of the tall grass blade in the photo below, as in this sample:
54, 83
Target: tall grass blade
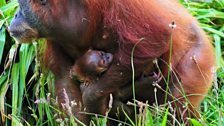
2, 43
26, 55
15, 90
195, 122
164, 122
3, 89
218, 50
149, 119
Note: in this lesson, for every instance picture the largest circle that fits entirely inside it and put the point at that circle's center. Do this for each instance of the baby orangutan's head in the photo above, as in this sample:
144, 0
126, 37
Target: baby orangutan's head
91, 65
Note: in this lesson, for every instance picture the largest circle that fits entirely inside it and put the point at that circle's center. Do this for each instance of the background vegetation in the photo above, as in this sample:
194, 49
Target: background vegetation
26, 90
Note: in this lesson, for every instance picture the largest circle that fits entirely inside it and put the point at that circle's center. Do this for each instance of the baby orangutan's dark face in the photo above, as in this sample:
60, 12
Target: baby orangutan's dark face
97, 61
89, 67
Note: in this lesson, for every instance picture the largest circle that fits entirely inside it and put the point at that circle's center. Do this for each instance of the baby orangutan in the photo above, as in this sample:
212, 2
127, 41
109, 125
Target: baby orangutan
90, 66
93, 64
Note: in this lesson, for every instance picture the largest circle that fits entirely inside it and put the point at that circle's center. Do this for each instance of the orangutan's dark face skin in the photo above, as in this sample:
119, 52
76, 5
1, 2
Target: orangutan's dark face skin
91, 65
39, 19
97, 61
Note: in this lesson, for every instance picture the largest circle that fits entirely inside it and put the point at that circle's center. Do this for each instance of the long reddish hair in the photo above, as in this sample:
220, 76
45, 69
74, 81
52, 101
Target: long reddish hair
131, 20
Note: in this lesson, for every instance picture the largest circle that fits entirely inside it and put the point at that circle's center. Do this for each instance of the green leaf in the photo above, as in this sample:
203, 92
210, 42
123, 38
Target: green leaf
16, 121
1, 23
2, 43
26, 55
2, 3
211, 13
212, 30
3, 89
149, 121
15, 90
165, 117
218, 50
11, 5
195, 122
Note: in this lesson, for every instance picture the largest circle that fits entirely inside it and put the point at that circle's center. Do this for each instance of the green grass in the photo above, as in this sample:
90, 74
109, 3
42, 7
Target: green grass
26, 90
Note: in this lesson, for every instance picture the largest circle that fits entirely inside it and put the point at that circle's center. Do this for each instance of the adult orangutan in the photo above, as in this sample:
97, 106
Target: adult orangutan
71, 27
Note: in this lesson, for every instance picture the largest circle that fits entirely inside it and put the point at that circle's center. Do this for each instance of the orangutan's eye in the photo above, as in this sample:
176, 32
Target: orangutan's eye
43, 2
